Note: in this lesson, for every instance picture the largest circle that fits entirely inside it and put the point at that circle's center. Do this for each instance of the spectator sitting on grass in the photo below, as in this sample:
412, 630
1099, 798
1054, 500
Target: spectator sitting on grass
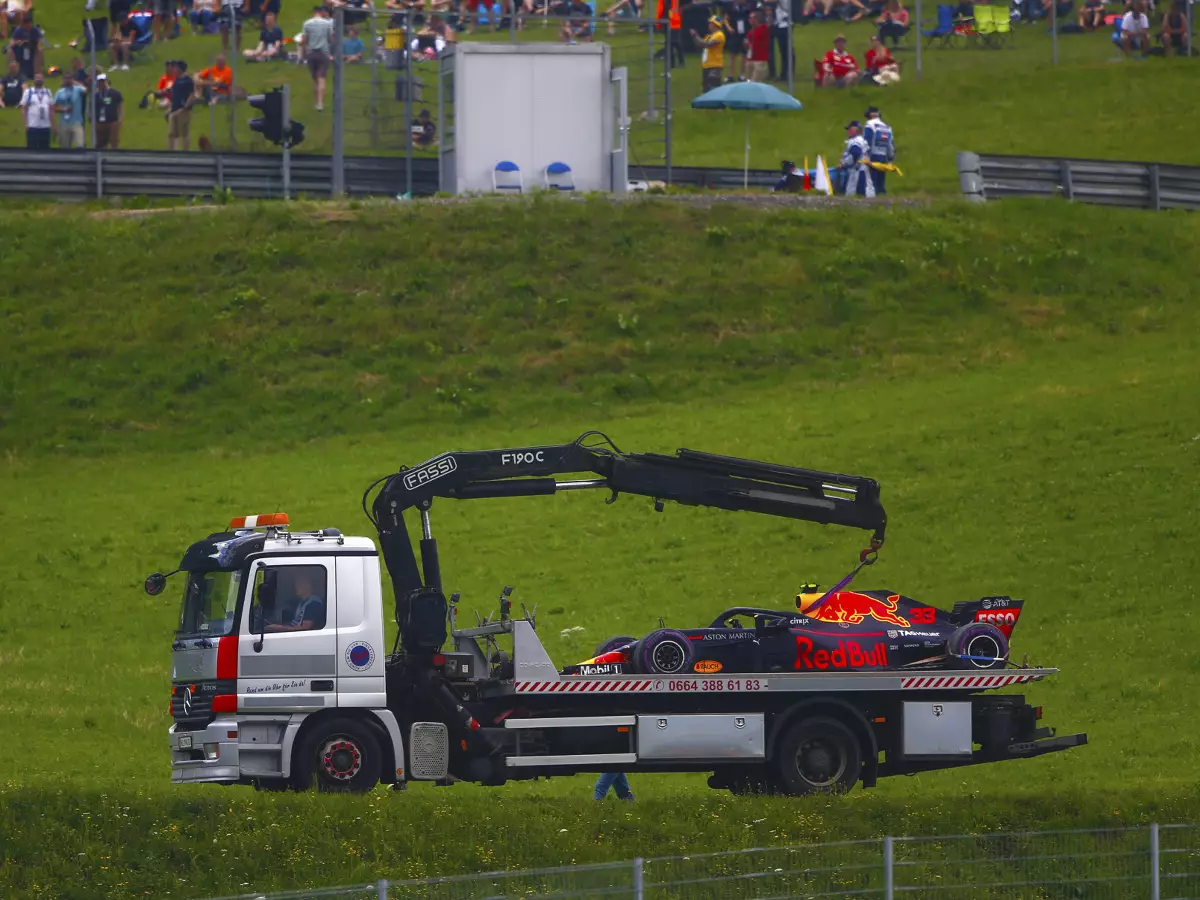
1063, 10
215, 82
893, 22
838, 68
1091, 15
12, 87
423, 131
26, 48
16, 13
120, 44
1174, 34
353, 49
203, 16
578, 26
882, 67
270, 42
1135, 30
163, 91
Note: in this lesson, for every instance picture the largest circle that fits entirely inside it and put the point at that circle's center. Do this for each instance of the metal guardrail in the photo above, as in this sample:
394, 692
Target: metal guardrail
1156, 862
90, 174
1155, 186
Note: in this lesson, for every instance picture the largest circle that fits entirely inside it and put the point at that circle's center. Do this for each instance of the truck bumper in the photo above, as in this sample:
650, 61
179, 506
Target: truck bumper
207, 755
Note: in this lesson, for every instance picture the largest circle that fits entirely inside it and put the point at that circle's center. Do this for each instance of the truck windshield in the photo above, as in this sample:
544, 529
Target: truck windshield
209, 602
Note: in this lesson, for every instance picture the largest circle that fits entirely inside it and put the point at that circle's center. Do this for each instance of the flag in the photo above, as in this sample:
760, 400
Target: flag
886, 167
807, 185
822, 181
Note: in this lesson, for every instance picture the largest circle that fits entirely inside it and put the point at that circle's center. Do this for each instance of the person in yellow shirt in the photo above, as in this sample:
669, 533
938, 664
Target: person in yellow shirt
712, 63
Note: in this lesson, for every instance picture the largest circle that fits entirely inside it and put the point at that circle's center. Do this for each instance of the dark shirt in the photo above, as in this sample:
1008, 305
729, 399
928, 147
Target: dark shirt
259, 8
82, 78
25, 42
580, 14
181, 91
12, 87
129, 31
269, 36
739, 19
108, 105
118, 9
423, 132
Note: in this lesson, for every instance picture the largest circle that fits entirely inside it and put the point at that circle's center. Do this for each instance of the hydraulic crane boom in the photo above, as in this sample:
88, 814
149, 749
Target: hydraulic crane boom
690, 477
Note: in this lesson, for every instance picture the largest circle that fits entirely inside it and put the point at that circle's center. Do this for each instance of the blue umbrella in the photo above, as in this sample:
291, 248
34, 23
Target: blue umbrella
746, 95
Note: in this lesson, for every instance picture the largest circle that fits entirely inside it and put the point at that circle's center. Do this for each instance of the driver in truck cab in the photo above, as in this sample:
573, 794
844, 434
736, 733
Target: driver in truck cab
306, 613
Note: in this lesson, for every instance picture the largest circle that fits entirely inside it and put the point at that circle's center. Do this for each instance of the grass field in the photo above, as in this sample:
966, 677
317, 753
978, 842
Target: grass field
1021, 379
994, 101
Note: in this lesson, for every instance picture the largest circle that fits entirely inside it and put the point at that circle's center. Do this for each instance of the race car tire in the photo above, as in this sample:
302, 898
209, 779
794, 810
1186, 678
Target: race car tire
663, 652
983, 645
612, 644
339, 756
817, 755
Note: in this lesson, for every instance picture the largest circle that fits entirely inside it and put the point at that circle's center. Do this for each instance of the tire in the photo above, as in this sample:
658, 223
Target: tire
985, 642
663, 652
818, 755
612, 644
339, 756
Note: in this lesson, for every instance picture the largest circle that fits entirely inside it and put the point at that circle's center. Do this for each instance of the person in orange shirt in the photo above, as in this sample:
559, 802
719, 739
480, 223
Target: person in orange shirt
163, 91
216, 82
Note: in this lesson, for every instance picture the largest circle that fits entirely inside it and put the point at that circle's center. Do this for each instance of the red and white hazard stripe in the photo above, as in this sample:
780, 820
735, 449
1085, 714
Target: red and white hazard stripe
928, 682
581, 687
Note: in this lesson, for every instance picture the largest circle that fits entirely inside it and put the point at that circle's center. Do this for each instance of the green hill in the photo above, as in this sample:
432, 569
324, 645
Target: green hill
1020, 378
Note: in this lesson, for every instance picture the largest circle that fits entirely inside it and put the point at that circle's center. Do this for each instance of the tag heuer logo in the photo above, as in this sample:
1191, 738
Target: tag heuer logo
893, 634
987, 604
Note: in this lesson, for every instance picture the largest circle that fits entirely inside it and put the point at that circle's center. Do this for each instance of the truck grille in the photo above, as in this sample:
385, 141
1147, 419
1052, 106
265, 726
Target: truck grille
191, 702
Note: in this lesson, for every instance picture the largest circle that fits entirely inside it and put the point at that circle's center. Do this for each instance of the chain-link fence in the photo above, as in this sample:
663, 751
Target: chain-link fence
1156, 862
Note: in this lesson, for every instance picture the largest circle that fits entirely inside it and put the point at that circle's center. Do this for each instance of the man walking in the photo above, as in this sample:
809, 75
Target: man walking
36, 106
110, 113
68, 103
317, 40
611, 780
881, 147
854, 163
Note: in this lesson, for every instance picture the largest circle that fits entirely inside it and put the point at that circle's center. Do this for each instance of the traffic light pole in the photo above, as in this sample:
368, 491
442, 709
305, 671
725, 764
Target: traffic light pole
287, 142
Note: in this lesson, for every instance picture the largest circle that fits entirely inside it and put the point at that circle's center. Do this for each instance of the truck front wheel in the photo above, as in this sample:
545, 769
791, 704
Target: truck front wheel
818, 756
339, 756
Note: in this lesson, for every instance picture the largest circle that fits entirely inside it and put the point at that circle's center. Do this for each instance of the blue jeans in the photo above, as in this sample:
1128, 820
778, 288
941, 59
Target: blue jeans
613, 780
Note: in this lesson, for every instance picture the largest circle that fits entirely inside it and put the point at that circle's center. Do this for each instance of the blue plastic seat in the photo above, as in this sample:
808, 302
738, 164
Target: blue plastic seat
507, 177
559, 177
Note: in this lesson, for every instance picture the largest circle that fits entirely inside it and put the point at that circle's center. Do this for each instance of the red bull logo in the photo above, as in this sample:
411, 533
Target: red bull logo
851, 607
846, 655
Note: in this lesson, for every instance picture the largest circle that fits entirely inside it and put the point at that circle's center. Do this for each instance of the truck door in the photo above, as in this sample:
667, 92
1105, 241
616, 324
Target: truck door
287, 651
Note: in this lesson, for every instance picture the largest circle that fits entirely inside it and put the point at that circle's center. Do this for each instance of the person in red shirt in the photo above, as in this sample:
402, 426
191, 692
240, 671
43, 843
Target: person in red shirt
838, 68
881, 65
758, 48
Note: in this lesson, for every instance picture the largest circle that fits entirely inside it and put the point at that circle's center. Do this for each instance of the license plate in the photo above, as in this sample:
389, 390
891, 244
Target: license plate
185, 742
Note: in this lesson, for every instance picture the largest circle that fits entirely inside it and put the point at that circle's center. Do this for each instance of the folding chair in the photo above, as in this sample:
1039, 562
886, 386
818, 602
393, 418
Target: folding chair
559, 177
507, 177
945, 29
993, 25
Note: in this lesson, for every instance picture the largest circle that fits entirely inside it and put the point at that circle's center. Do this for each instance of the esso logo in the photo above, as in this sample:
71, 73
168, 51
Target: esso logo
997, 618
522, 458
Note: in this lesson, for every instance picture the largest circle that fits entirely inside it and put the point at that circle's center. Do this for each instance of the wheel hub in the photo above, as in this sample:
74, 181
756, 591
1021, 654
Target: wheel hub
668, 657
983, 648
341, 759
820, 762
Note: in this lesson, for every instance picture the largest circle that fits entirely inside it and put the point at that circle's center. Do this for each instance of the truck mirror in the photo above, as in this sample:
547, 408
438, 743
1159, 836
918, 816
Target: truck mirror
156, 584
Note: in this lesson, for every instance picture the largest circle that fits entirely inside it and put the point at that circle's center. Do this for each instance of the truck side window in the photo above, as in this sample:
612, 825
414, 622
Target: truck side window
289, 598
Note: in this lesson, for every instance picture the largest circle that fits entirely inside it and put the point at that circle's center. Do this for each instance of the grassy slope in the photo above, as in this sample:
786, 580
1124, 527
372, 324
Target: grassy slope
990, 101
1032, 426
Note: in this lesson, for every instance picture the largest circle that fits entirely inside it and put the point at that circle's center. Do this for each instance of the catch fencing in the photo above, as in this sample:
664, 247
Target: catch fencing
1155, 186
1154, 862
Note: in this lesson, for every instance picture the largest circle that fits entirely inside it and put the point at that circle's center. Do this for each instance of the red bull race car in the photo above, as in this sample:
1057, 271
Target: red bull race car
829, 631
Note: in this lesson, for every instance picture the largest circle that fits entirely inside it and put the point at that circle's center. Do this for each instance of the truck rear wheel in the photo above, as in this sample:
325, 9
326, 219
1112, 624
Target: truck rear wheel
818, 755
339, 756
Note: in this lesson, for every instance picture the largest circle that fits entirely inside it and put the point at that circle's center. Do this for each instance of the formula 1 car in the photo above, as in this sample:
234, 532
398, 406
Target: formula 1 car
835, 630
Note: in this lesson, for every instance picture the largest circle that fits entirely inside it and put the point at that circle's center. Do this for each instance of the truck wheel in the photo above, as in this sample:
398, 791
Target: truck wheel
340, 756
983, 645
612, 644
663, 652
818, 756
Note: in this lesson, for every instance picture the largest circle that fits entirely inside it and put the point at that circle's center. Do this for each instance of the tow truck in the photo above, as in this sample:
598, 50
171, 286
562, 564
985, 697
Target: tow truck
281, 680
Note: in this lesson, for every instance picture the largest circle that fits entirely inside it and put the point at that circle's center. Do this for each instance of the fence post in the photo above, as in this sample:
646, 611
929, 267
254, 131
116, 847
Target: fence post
382, 888
1154, 862
1053, 32
287, 141
639, 880
917, 36
337, 157
408, 104
91, 39
1155, 197
667, 100
650, 113
1068, 189
235, 40
889, 869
